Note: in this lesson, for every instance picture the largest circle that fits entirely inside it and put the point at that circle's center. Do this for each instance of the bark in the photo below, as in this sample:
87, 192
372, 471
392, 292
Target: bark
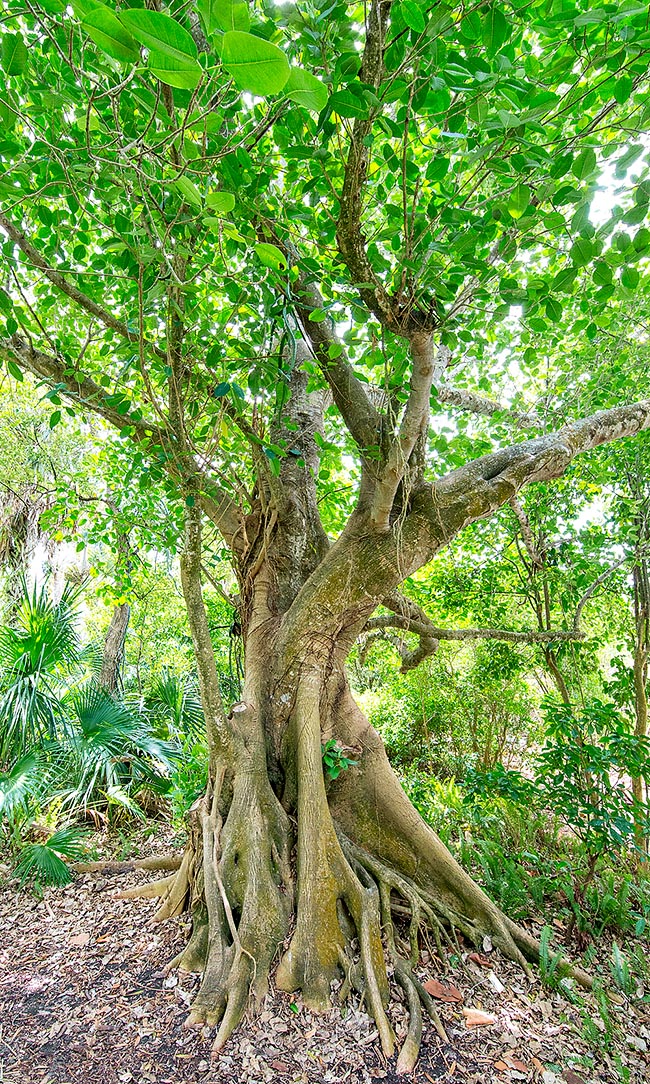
113, 654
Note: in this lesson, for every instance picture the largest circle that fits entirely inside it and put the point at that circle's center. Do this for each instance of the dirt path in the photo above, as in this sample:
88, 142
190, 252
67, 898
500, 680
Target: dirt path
84, 1000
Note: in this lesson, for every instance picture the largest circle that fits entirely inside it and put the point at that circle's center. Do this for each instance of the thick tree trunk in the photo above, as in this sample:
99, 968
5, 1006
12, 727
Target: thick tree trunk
282, 861
359, 845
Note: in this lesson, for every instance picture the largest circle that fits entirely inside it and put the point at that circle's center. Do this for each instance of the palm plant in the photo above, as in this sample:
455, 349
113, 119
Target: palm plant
44, 862
38, 654
68, 746
174, 704
109, 753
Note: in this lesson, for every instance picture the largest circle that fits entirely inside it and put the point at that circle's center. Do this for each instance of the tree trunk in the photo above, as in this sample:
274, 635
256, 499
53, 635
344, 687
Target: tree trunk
640, 674
113, 654
359, 845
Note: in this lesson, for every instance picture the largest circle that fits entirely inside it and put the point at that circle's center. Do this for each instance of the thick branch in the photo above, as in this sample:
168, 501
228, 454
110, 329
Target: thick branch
413, 426
479, 488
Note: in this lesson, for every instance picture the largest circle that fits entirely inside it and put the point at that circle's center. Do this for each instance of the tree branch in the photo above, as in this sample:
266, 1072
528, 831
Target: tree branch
469, 400
69, 289
479, 488
536, 558
349, 394
78, 388
410, 617
413, 426
349, 234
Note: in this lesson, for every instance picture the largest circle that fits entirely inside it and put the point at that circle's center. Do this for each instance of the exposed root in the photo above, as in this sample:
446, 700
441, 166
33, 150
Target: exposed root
148, 891
242, 880
328, 887
164, 862
366, 865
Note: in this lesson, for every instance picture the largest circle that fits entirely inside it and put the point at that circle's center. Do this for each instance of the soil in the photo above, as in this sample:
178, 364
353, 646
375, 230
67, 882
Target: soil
84, 997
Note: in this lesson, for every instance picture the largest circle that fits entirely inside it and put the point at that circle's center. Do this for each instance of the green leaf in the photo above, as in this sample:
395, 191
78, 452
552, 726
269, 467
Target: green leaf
602, 273
553, 309
14, 54
189, 192
348, 104
581, 252
519, 200
496, 30
623, 89
255, 65
6, 304
412, 16
159, 32
630, 278
15, 371
106, 30
585, 164
305, 89
222, 203
55, 418
172, 52
271, 256
224, 15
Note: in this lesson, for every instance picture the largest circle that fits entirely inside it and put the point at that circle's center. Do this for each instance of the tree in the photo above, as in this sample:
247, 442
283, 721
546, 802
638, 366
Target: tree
260, 278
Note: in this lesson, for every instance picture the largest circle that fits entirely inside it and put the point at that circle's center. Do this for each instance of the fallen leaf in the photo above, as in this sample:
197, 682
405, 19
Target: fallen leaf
518, 1065
496, 983
80, 939
571, 1077
475, 1018
281, 1066
482, 961
501, 1066
450, 994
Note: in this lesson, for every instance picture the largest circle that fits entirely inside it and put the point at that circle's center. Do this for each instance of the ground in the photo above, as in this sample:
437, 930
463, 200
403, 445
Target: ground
84, 997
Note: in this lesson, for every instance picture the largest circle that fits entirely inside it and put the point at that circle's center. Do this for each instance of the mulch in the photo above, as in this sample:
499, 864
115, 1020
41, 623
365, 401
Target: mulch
84, 999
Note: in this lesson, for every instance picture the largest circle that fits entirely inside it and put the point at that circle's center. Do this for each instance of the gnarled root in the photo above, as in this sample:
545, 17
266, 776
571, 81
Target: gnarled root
245, 883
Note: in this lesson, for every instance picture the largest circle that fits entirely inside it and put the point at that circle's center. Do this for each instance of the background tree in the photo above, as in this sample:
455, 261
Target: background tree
266, 295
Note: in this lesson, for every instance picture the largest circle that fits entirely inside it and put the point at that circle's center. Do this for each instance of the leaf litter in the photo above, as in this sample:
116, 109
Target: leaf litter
85, 999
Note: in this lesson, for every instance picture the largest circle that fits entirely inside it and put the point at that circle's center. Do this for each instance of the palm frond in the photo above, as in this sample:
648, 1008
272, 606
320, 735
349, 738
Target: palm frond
175, 701
43, 862
36, 655
16, 784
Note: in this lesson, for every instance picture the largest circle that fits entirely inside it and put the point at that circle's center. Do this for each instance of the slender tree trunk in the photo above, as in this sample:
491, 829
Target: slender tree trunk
113, 654
640, 673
